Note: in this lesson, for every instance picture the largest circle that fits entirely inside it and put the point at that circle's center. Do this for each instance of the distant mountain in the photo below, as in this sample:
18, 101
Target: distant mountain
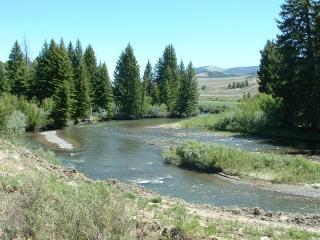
217, 72
209, 69
239, 71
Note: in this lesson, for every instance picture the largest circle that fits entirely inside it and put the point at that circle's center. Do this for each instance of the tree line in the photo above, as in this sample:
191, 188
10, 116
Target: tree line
77, 85
290, 64
241, 84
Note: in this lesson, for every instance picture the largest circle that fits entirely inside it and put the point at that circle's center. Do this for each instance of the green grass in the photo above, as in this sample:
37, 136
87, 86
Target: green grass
40, 206
201, 121
261, 166
36, 203
192, 225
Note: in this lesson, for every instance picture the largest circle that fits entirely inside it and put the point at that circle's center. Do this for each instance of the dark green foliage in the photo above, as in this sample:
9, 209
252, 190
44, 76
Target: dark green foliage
3, 82
146, 88
62, 104
44, 69
167, 77
91, 64
17, 72
155, 94
270, 65
62, 97
290, 65
81, 83
242, 84
127, 85
188, 92
103, 89
148, 78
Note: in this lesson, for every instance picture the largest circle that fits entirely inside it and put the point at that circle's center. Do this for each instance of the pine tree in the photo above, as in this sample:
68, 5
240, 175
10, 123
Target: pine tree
167, 77
297, 73
148, 78
3, 82
45, 69
62, 96
127, 84
91, 64
81, 82
146, 88
269, 72
316, 43
70, 51
188, 93
17, 72
104, 91
155, 94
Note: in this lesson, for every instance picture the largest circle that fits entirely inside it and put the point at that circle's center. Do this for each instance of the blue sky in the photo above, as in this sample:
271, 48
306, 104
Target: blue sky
225, 33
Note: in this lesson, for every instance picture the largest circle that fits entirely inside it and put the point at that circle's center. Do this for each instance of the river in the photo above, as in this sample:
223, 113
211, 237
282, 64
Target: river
130, 151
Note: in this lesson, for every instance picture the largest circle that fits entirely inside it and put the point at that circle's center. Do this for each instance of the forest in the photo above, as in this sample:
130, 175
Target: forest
66, 85
290, 65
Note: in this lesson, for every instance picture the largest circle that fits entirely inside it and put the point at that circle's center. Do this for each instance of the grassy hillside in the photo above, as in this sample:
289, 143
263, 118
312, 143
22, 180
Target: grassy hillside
217, 88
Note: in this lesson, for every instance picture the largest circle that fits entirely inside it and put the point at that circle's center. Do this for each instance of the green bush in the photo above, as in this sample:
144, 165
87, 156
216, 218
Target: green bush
156, 111
37, 117
271, 167
15, 122
261, 112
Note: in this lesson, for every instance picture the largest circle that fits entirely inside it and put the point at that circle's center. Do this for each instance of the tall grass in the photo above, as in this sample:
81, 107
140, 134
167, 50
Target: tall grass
43, 206
271, 167
257, 114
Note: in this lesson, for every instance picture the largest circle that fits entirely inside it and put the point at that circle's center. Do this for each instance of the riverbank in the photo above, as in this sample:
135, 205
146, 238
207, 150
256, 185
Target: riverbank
272, 168
210, 122
40, 199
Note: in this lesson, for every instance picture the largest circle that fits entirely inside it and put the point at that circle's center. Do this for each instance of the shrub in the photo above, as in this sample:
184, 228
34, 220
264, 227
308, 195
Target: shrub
16, 122
44, 207
272, 167
156, 111
252, 115
36, 116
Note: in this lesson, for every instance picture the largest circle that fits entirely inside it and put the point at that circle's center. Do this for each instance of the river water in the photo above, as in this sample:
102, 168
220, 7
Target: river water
130, 151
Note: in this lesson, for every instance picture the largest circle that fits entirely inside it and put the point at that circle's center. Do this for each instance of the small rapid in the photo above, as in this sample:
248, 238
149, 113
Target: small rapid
130, 151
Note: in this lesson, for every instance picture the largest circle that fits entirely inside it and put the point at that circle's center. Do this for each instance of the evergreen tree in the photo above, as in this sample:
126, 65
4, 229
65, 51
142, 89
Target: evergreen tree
155, 94
127, 84
70, 51
45, 69
188, 93
81, 82
147, 78
91, 64
17, 72
270, 66
167, 77
62, 79
146, 88
103, 90
3, 82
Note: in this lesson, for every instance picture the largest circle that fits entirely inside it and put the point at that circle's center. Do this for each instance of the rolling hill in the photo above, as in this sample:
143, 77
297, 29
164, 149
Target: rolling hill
218, 72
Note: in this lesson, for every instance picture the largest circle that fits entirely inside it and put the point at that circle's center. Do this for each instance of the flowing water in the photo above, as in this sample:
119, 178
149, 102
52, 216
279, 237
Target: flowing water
130, 151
